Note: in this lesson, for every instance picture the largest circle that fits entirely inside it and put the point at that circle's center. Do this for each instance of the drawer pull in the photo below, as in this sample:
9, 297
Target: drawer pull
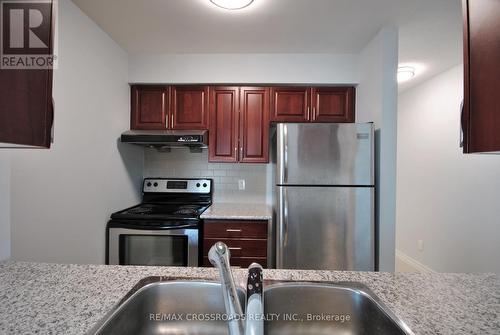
235, 248
233, 230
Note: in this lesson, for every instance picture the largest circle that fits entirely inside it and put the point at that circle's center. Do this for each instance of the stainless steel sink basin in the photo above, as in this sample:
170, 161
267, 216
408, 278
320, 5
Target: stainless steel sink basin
318, 308
168, 307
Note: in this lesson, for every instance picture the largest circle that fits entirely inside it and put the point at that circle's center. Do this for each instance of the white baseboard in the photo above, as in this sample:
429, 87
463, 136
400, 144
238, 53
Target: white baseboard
405, 263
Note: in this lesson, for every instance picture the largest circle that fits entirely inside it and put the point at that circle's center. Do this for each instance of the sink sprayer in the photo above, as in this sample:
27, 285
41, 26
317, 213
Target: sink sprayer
238, 324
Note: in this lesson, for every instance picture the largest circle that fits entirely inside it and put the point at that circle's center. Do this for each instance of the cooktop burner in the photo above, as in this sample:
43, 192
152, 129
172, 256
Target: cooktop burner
169, 200
161, 211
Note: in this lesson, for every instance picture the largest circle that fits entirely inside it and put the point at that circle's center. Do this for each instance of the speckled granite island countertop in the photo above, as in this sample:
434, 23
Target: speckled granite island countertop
70, 299
238, 211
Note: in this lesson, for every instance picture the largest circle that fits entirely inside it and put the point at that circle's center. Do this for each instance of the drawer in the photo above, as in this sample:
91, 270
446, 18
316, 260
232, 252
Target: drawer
242, 262
239, 247
235, 229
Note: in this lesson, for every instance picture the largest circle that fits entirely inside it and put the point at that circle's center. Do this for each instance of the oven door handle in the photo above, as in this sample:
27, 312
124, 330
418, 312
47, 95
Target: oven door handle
139, 226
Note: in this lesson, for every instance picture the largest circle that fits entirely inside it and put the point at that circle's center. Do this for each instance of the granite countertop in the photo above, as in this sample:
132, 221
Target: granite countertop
238, 211
70, 299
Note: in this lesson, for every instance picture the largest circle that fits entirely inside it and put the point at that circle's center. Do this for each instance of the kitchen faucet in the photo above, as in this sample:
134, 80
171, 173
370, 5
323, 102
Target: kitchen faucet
219, 255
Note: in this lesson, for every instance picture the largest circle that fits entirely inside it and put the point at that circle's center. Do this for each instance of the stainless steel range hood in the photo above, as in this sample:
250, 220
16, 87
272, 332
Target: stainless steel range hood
166, 139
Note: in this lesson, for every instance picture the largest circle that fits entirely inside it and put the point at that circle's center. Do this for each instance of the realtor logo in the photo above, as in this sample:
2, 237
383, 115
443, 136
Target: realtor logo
26, 34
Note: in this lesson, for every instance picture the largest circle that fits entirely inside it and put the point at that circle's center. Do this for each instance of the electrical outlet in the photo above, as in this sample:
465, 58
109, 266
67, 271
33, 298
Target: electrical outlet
241, 184
420, 245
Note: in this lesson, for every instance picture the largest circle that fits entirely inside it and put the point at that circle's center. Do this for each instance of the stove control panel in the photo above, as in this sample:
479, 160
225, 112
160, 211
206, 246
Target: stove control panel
177, 185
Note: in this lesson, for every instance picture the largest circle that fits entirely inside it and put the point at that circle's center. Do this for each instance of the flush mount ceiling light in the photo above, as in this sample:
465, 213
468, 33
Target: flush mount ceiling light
405, 73
232, 4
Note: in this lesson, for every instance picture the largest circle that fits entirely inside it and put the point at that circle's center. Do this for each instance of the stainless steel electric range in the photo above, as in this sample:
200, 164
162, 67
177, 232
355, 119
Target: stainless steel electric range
163, 229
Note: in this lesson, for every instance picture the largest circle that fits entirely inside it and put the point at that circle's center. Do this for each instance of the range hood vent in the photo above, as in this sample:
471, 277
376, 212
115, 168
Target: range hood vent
164, 140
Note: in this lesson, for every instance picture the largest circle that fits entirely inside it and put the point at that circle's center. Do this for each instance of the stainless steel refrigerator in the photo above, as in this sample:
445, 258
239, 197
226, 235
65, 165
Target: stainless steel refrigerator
324, 196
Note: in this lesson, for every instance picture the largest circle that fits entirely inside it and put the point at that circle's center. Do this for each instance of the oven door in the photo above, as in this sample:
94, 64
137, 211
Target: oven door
170, 247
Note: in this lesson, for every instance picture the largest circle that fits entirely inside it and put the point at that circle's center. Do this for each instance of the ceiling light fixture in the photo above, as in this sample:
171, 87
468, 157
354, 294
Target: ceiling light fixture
405, 73
232, 4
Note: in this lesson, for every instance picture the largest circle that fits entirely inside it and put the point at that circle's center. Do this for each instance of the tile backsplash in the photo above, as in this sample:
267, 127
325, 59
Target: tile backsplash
181, 163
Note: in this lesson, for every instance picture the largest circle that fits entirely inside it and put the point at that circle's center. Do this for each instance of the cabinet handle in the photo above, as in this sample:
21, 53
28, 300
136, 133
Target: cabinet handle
462, 124
314, 114
241, 152
172, 120
233, 230
235, 248
308, 113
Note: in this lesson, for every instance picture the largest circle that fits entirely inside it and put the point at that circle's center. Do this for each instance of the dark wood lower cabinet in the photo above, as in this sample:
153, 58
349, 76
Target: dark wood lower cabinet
481, 110
246, 239
242, 262
240, 247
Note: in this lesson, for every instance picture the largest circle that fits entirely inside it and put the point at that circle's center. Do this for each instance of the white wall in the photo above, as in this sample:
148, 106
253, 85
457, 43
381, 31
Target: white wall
61, 198
244, 68
445, 198
4, 205
377, 102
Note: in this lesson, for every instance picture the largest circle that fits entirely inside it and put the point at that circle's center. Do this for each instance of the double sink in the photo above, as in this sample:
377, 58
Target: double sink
170, 306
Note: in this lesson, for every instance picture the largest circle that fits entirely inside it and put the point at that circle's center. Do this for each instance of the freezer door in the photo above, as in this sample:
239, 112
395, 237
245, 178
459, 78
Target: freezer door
325, 228
324, 154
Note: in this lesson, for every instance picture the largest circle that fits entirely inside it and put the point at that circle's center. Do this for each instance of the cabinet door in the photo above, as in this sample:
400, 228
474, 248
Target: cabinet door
290, 104
223, 131
254, 125
26, 109
149, 107
332, 104
189, 107
481, 114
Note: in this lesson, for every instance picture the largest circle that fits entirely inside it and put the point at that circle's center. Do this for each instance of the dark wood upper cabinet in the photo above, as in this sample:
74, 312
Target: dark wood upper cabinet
26, 111
223, 134
481, 109
313, 104
239, 124
189, 107
149, 107
290, 104
332, 104
26, 108
159, 107
254, 125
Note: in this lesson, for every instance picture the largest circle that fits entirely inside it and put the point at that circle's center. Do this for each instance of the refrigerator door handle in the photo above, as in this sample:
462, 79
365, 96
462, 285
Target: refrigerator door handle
285, 154
285, 217
282, 216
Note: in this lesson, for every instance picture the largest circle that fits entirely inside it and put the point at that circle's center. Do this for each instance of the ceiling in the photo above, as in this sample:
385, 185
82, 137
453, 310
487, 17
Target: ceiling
431, 40
430, 30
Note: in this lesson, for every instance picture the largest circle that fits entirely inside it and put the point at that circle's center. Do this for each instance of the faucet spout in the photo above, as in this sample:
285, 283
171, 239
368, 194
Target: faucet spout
219, 257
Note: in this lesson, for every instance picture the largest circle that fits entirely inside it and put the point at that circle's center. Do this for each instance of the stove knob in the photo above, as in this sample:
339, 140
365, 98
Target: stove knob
204, 184
148, 184
198, 185
155, 184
